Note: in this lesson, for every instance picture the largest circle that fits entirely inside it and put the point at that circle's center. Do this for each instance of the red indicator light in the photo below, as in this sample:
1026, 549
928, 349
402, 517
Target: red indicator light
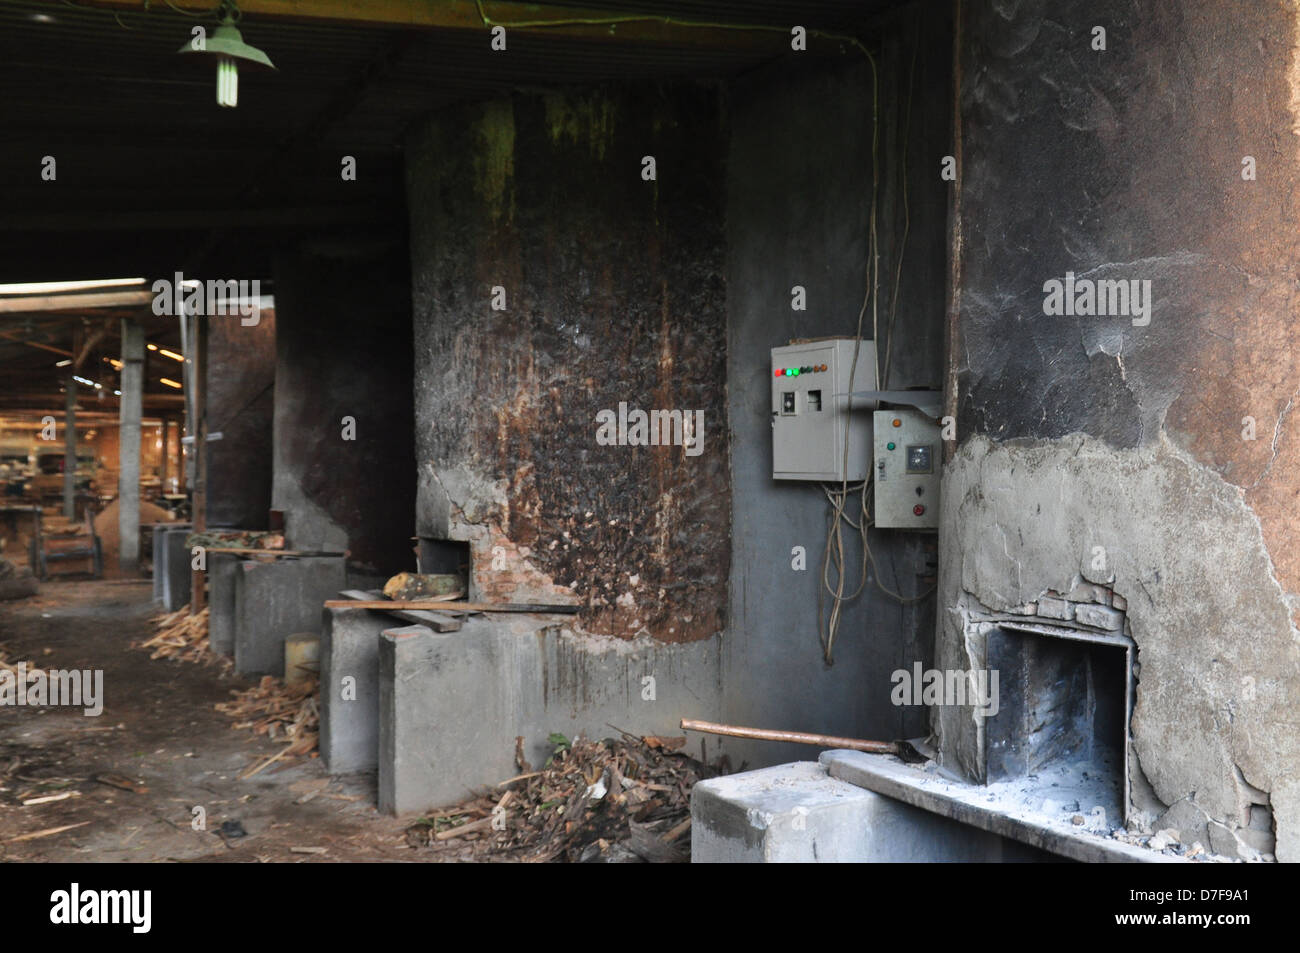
779, 372
919, 510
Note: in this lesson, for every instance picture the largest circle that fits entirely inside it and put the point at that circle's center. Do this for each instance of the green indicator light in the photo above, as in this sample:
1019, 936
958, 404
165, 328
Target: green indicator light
794, 371
889, 446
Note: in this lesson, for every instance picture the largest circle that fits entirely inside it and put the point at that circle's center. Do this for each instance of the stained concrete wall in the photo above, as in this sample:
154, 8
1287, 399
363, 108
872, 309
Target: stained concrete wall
240, 405
799, 198
343, 346
656, 293
520, 678
1125, 435
611, 292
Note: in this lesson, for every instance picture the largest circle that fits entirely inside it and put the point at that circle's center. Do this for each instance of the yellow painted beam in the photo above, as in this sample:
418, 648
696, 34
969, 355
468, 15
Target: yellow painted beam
30, 304
533, 18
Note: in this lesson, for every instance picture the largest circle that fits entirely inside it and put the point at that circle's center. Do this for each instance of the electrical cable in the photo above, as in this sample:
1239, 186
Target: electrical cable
214, 12
907, 217
667, 20
833, 556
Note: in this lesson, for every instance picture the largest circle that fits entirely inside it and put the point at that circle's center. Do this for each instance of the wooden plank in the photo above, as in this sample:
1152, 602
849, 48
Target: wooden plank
428, 605
435, 620
28, 304
17, 336
251, 551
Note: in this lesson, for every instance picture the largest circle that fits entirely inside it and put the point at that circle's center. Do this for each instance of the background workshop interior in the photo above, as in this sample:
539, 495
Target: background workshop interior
649, 430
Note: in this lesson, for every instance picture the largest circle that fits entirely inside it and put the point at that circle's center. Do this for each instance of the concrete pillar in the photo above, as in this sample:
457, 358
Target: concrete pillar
162, 457
128, 481
70, 446
198, 354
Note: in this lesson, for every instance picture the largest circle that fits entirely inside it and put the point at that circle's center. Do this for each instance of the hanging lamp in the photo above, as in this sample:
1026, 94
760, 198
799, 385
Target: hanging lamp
227, 47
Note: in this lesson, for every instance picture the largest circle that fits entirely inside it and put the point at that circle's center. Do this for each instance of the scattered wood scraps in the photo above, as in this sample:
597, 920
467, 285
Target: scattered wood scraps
613, 801
122, 782
47, 832
288, 714
183, 637
12, 667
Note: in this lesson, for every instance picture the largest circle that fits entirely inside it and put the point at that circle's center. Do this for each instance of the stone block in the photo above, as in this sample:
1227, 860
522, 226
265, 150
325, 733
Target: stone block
1099, 617
1050, 607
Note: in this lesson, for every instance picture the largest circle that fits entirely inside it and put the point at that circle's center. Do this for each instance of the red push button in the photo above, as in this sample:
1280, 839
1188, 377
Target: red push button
919, 510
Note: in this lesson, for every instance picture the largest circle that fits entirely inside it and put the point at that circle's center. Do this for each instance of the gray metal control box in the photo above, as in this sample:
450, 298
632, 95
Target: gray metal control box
810, 409
908, 454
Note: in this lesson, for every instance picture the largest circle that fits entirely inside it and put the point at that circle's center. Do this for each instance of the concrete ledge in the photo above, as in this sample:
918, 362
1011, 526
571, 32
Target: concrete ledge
798, 813
274, 600
973, 806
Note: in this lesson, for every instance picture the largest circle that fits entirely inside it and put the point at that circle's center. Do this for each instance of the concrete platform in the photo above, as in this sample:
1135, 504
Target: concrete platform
798, 813
277, 599
993, 809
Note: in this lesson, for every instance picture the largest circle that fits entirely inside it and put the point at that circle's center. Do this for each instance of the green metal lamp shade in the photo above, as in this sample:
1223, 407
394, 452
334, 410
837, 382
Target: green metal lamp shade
228, 48
226, 42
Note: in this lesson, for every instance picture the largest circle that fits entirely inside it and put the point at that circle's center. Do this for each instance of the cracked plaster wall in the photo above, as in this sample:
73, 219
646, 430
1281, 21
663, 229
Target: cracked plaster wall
1084, 431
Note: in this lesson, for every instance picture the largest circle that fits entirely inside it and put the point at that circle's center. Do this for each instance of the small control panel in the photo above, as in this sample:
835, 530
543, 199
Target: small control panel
907, 475
811, 419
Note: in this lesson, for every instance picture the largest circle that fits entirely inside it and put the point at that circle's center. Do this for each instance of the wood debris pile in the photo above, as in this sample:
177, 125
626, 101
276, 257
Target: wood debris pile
12, 667
614, 801
184, 638
289, 714
235, 538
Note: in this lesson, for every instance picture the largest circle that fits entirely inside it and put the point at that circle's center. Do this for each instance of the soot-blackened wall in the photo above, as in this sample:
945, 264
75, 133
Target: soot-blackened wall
240, 405
554, 280
343, 342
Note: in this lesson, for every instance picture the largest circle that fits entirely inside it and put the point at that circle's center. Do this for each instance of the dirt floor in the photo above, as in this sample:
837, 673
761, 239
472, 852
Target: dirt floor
158, 727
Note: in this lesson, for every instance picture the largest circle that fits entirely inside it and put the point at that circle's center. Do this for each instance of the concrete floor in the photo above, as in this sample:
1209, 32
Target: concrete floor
158, 726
